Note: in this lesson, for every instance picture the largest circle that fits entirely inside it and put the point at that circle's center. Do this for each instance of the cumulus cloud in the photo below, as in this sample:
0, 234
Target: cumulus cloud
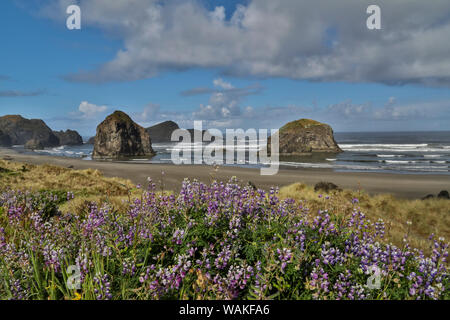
222, 109
89, 110
224, 104
299, 39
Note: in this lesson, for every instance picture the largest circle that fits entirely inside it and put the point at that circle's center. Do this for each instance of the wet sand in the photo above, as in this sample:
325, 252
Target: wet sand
412, 186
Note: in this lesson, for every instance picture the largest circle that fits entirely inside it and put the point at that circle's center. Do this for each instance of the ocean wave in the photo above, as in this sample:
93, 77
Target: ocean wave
421, 147
390, 155
61, 151
400, 161
327, 166
384, 145
201, 147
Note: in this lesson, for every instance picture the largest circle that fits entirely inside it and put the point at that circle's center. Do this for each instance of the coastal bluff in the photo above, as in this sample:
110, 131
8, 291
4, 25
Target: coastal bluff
306, 136
29, 132
118, 136
34, 134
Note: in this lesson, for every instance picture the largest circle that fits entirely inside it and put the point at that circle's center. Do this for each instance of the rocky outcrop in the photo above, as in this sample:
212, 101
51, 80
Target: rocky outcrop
5, 140
306, 136
326, 186
162, 132
91, 140
69, 138
119, 137
428, 196
21, 130
443, 194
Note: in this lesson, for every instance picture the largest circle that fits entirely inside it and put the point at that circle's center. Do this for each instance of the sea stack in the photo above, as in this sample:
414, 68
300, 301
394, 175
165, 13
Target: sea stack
69, 138
162, 132
305, 136
120, 137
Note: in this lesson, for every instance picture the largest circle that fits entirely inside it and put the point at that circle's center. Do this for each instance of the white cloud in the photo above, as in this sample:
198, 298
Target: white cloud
90, 110
218, 14
222, 84
224, 103
299, 39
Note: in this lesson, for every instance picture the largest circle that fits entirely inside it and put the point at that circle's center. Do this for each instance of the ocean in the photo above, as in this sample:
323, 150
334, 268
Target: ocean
394, 152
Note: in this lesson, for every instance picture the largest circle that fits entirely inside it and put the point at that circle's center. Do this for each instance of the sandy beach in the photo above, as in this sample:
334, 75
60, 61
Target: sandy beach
411, 186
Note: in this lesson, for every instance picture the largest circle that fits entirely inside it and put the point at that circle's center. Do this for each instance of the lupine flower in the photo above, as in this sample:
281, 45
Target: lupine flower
217, 241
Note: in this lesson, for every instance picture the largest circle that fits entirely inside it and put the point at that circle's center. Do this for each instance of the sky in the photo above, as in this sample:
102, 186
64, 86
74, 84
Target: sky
232, 64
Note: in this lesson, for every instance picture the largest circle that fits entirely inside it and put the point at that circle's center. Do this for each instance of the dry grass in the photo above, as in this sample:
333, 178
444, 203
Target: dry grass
49, 177
87, 185
426, 216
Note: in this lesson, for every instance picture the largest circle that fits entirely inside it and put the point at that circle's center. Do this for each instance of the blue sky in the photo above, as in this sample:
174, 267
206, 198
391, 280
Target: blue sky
50, 72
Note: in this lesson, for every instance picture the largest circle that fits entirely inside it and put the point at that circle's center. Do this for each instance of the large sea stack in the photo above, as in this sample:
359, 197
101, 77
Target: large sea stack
69, 138
119, 137
21, 131
306, 136
162, 132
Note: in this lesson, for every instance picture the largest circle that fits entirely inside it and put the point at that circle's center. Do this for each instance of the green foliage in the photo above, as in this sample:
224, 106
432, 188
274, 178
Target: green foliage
300, 124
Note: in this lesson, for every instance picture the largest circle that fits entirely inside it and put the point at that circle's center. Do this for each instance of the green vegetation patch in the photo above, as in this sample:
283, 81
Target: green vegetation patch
300, 124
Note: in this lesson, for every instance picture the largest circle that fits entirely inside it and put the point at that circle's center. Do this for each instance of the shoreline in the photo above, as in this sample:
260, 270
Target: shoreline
409, 186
